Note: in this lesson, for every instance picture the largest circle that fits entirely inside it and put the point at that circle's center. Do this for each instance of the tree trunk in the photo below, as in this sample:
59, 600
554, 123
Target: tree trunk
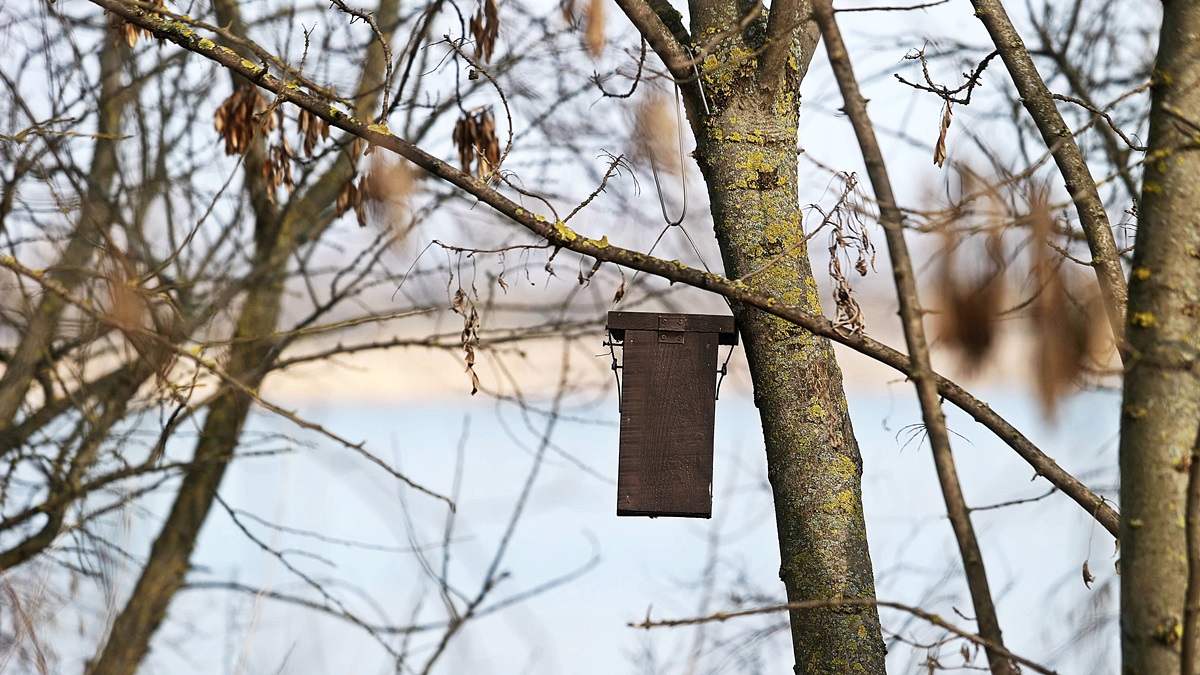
746, 130
254, 348
1161, 407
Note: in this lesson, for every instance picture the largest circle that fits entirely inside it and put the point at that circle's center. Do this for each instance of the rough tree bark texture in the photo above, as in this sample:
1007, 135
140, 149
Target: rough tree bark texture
746, 131
1161, 407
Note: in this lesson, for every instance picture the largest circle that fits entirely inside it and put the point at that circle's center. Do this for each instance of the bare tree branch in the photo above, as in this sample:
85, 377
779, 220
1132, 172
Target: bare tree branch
912, 318
934, 619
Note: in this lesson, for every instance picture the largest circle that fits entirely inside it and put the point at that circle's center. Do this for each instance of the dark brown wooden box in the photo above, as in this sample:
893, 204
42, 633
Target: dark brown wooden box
668, 404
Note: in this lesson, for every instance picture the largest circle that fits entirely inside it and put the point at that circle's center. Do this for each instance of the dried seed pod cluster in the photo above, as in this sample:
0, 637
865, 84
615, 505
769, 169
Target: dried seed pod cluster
312, 130
1063, 309
245, 113
475, 138
382, 194
971, 303
239, 117
351, 197
277, 167
485, 27
1067, 320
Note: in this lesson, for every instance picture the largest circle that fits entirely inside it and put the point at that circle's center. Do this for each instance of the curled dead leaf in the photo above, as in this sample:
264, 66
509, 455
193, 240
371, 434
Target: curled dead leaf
848, 237
939, 149
464, 307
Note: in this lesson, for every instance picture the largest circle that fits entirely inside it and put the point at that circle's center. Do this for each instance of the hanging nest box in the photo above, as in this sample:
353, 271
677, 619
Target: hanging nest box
668, 404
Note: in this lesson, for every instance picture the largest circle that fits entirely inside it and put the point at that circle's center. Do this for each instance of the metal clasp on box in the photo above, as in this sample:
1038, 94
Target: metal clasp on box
672, 329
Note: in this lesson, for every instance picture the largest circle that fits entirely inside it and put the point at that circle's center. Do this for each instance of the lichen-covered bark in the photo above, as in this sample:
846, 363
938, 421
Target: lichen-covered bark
747, 152
1161, 407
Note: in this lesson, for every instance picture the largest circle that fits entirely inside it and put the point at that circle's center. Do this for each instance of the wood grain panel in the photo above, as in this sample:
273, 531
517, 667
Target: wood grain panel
667, 412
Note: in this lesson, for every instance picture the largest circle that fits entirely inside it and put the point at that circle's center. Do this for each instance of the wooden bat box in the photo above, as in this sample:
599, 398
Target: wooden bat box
668, 404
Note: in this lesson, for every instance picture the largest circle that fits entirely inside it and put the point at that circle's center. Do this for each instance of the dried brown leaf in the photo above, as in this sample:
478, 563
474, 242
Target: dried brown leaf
939, 150
620, 292
848, 235
464, 307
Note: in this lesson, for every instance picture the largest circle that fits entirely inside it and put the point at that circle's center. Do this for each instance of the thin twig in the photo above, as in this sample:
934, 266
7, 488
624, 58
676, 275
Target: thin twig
896, 8
1015, 502
369, 19
934, 619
